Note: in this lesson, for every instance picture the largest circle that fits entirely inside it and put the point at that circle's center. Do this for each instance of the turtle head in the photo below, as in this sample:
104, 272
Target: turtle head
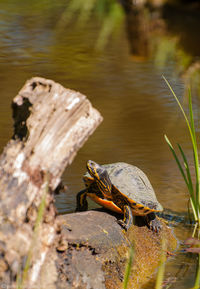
100, 174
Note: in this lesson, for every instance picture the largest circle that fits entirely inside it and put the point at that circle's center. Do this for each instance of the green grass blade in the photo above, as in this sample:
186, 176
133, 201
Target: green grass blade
161, 268
192, 118
40, 211
197, 280
188, 209
191, 127
21, 278
195, 151
185, 116
194, 210
177, 161
176, 98
128, 268
191, 190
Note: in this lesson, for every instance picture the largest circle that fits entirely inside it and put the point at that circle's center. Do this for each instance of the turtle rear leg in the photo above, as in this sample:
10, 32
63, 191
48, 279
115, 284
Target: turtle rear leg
128, 218
81, 201
153, 222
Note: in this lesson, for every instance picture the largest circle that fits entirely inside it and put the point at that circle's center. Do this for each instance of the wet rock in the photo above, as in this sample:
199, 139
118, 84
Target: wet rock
98, 246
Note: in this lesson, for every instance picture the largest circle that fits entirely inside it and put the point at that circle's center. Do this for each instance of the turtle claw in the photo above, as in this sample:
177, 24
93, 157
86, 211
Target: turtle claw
155, 225
122, 224
153, 222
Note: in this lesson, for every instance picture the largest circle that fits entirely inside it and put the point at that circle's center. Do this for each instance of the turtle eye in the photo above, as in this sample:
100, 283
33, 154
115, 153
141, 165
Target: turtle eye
92, 168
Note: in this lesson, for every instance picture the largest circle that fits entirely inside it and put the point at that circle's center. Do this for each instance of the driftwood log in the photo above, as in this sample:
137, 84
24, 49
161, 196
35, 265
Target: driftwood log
50, 124
39, 249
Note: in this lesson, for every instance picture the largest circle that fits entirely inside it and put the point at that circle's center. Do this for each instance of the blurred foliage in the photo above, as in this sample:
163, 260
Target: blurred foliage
192, 77
108, 13
166, 48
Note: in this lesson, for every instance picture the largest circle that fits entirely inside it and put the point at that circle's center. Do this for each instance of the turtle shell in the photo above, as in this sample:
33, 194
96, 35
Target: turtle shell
132, 185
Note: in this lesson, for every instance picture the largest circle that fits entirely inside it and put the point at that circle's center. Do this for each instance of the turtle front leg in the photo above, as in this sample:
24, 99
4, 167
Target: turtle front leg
128, 218
81, 201
153, 222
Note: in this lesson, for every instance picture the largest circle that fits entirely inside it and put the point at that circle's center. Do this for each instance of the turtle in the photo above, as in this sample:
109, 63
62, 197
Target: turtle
122, 188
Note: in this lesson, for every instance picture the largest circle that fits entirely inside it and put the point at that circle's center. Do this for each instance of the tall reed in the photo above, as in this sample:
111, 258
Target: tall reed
128, 268
193, 189
22, 276
161, 268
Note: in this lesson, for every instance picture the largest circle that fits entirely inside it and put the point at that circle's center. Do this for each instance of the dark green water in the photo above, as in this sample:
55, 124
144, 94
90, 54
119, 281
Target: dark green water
134, 100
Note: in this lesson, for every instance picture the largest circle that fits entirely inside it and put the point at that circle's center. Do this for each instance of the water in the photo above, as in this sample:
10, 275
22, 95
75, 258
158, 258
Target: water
130, 93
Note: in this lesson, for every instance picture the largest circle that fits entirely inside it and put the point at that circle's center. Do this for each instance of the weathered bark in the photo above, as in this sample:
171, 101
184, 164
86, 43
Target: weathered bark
50, 124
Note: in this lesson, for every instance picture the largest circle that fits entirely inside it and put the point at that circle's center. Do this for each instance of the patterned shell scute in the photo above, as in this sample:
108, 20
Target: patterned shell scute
133, 183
